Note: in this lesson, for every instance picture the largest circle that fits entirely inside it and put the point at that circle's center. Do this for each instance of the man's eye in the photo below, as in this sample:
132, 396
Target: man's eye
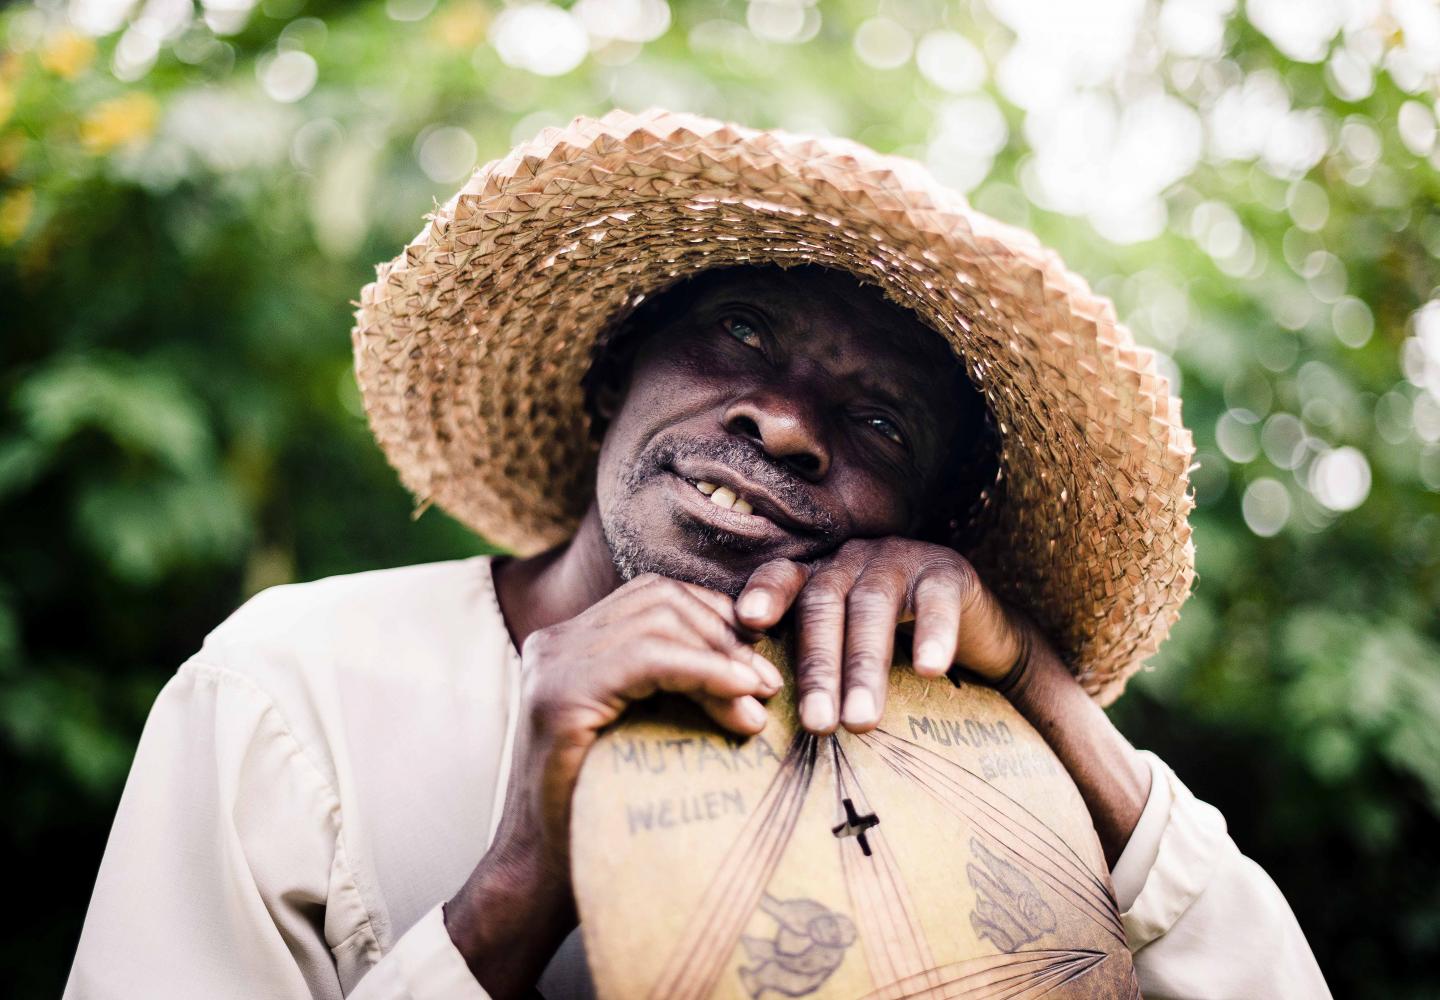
742, 331
886, 428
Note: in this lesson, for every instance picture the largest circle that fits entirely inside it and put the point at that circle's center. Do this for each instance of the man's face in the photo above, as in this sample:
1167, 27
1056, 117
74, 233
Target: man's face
802, 394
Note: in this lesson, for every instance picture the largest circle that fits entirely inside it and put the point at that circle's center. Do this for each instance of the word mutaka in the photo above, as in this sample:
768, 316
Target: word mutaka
690, 754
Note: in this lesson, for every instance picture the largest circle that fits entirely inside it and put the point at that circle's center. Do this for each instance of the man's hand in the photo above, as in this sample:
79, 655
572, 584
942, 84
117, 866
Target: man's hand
653, 634
650, 635
847, 607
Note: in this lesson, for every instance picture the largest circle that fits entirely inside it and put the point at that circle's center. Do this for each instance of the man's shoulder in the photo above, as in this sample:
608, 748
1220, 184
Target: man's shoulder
414, 619
351, 667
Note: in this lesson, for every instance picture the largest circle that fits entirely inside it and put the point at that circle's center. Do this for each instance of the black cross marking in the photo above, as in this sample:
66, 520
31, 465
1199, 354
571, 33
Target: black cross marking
855, 825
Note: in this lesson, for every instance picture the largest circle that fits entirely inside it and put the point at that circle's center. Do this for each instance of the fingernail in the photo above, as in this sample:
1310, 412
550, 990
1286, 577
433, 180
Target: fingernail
752, 713
817, 712
769, 673
929, 655
755, 604
859, 707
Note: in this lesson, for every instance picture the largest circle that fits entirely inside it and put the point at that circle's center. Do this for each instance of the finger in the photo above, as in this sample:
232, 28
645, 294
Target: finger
770, 591
684, 614
657, 664
820, 611
937, 622
647, 588
723, 606
673, 609
990, 643
742, 715
872, 610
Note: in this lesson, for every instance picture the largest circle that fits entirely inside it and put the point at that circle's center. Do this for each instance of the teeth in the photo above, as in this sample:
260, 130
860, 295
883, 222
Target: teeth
724, 496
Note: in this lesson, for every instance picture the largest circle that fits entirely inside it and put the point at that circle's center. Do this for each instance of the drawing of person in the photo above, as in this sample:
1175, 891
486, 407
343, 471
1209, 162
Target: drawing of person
809, 945
1009, 911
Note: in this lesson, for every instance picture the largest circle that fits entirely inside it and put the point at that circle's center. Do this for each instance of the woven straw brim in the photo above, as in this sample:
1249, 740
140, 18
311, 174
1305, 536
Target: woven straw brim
470, 347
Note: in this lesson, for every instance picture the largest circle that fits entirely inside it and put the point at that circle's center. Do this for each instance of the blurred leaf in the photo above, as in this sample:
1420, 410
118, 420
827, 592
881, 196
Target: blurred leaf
147, 411
145, 530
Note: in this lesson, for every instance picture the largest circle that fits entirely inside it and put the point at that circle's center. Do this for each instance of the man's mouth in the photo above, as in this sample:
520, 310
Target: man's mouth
724, 496
728, 513
731, 491
730, 501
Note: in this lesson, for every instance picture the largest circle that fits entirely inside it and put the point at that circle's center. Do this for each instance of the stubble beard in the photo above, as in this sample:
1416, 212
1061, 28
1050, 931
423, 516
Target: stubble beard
633, 556
697, 558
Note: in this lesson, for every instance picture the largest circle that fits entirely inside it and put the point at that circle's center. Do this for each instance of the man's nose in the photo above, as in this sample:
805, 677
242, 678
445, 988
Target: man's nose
789, 428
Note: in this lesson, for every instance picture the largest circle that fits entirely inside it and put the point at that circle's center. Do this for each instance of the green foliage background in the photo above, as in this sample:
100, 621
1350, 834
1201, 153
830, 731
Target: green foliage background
182, 227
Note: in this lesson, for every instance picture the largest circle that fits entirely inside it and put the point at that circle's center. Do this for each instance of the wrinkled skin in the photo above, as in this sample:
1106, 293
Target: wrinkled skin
811, 393
831, 412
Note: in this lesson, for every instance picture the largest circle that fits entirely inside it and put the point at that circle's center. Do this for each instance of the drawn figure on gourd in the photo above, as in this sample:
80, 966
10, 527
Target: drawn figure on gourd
808, 946
1009, 911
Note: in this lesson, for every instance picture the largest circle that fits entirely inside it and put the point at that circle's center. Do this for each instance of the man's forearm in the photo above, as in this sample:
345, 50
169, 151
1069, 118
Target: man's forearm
1113, 778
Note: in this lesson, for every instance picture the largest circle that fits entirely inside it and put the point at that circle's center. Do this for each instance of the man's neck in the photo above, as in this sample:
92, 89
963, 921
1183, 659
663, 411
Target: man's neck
557, 585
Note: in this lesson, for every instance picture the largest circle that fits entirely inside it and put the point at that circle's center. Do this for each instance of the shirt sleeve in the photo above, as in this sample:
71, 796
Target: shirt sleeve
225, 874
1203, 920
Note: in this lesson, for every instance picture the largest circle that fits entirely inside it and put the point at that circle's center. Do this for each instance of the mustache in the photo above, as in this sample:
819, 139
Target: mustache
751, 462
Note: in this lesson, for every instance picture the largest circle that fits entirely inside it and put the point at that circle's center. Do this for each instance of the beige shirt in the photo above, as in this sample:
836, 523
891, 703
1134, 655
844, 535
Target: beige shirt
328, 769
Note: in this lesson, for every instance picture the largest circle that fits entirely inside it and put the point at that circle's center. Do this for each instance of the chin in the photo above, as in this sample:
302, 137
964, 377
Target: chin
700, 572
703, 557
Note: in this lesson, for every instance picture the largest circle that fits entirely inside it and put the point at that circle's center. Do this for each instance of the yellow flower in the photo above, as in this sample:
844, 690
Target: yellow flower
118, 121
68, 54
15, 211
461, 25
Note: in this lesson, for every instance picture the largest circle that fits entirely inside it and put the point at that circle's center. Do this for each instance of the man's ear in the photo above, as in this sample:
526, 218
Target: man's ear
610, 394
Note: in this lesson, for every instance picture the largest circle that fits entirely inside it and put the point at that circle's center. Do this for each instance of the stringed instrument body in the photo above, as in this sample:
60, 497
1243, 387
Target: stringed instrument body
946, 854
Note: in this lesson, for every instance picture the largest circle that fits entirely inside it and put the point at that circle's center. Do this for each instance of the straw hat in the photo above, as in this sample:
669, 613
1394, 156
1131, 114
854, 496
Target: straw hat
471, 344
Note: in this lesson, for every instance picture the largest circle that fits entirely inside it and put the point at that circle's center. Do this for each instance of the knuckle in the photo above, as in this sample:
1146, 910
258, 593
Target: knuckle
966, 578
780, 570
695, 601
941, 576
951, 565
816, 670
873, 596
863, 664
671, 588
939, 590
819, 592
663, 617
821, 602
699, 618
539, 645
643, 655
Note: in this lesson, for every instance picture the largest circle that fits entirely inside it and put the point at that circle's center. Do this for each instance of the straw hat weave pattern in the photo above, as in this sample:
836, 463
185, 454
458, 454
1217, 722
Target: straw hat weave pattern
471, 344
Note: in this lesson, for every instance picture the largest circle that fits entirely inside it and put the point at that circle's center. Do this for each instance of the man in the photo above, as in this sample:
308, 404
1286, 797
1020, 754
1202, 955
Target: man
308, 809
